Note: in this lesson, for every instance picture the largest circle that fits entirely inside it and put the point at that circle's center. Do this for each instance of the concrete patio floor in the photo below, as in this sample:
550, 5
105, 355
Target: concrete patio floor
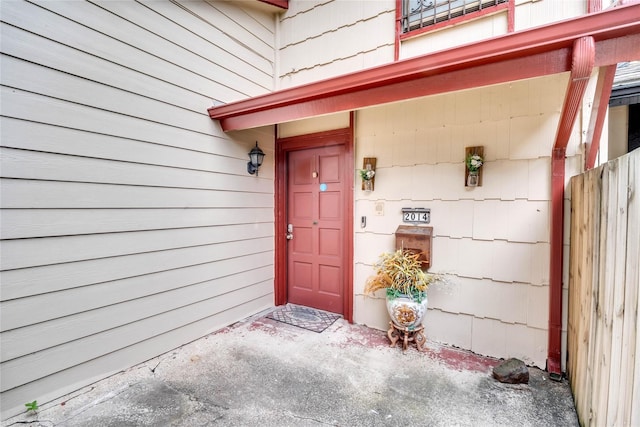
260, 372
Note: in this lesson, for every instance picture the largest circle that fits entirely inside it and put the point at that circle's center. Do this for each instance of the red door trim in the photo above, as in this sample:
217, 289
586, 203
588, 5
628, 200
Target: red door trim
283, 146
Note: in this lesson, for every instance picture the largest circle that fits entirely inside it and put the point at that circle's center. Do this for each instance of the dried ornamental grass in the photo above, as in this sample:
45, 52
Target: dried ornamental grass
400, 272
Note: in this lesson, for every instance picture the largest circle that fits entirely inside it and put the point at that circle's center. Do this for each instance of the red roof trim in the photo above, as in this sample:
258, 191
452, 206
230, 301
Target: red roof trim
282, 4
617, 28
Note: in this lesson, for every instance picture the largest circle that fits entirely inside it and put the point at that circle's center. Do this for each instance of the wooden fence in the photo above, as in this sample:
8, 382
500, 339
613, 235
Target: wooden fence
603, 338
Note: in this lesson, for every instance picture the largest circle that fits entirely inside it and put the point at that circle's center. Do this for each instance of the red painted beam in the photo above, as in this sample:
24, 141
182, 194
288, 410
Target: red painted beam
282, 4
493, 73
583, 60
598, 113
618, 49
616, 29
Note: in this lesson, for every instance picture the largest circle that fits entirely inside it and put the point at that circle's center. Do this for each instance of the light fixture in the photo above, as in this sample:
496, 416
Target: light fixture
256, 156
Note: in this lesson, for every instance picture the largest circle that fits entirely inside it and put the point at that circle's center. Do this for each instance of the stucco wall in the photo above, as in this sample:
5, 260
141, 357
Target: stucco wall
492, 241
129, 223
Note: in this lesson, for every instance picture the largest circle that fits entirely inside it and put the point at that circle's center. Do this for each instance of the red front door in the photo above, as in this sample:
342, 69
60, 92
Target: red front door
317, 245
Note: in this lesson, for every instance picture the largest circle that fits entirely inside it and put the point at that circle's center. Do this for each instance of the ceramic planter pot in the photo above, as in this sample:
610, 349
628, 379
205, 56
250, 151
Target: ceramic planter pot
405, 312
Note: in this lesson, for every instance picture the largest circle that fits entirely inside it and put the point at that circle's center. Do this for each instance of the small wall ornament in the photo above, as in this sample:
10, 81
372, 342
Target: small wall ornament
474, 159
368, 173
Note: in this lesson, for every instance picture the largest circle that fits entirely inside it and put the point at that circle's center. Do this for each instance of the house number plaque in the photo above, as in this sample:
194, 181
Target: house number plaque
416, 215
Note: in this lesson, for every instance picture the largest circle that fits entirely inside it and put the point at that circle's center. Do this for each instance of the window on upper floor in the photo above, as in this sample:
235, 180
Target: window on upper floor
418, 14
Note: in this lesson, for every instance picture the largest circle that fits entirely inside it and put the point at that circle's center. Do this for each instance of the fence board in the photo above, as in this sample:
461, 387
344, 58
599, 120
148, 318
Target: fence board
580, 279
617, 380
603, 293
631, 339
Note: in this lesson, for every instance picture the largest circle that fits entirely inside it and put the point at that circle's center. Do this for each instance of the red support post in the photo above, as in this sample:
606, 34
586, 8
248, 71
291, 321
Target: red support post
583, 60
554, 351
511, 16
598, 113
594, 6
396, 44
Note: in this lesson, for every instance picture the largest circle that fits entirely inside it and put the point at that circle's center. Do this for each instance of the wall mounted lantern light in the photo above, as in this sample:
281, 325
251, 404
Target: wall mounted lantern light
256, 156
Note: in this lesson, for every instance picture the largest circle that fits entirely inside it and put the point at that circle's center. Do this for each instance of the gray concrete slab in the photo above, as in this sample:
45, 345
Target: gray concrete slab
264, 373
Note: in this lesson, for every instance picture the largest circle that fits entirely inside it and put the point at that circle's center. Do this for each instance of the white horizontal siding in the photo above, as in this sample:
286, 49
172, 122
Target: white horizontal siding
91, 29
22, 253
32, 165
36, 337
28, 106
25, 45
22, 223
33, 366
211, 155
50, 278
68, 302
78, 376
53, 194
218, 49
78, 90
129, 223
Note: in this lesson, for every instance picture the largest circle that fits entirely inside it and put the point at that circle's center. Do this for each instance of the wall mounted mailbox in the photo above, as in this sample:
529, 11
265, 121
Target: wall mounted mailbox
417, 240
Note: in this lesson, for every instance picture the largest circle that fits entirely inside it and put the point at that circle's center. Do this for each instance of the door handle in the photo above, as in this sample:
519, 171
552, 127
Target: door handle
289, 231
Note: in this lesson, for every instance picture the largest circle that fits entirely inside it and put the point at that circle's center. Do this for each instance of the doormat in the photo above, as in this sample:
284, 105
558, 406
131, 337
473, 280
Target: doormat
304, 317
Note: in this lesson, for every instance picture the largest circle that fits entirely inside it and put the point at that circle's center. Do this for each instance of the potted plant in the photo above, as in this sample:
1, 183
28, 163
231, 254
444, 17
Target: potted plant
367, 177
400, 274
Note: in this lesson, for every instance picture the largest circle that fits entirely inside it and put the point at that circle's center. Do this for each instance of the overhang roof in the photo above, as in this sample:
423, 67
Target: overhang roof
524, 54
626, 85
